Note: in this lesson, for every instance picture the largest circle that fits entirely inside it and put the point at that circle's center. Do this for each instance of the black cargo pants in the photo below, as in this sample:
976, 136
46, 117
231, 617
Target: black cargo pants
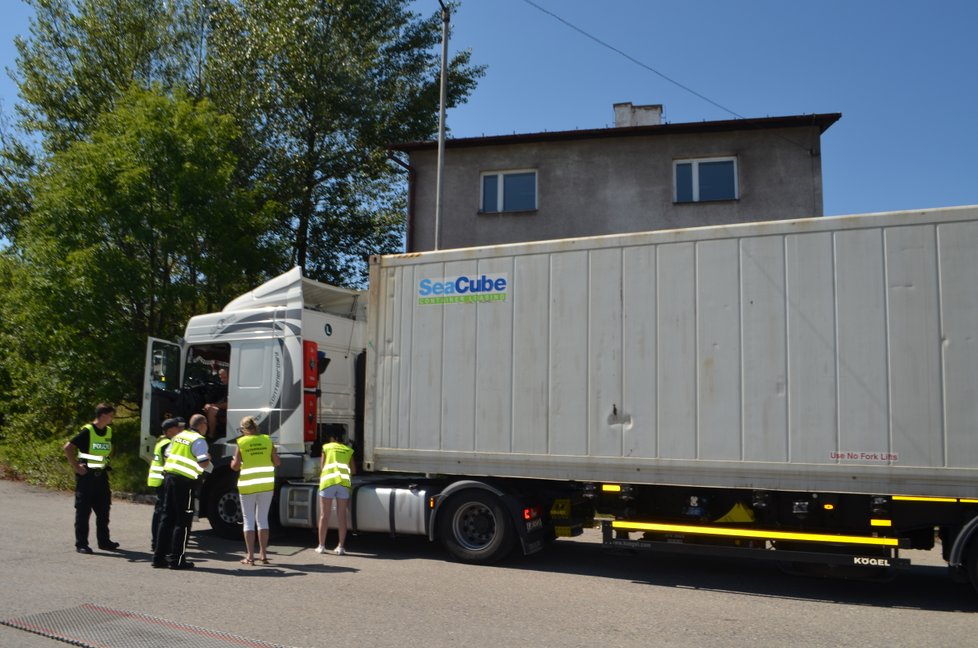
92, 493
178, 515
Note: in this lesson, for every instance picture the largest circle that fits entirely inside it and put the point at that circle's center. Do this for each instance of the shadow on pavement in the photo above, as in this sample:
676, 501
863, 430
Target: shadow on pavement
922, 587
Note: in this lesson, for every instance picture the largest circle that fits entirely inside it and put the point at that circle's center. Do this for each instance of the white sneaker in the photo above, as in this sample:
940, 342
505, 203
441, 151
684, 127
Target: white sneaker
339, 551
320, 549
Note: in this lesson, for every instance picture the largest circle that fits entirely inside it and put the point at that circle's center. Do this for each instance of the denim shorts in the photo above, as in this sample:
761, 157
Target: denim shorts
336, 491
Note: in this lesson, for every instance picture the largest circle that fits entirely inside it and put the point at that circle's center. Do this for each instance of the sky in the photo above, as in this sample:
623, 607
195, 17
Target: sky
903, 73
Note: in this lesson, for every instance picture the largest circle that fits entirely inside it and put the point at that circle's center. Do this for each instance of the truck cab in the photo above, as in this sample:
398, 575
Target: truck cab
285, 353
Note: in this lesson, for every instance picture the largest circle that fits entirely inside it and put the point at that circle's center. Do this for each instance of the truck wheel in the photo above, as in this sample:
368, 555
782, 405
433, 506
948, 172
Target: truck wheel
224, 509
475, 528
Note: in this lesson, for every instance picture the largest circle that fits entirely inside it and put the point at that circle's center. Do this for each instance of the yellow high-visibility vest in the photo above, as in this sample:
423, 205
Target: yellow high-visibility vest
257, 470
336, 467
96, 455
181, 460
155, 477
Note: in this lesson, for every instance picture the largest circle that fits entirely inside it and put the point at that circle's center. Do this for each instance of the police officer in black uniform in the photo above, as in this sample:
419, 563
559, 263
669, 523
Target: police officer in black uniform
187, 458
88, 455
171, 427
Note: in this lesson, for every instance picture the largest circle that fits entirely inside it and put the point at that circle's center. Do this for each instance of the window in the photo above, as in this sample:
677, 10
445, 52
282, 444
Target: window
509, 191
706, 179
204, 363
166, 365
251, 368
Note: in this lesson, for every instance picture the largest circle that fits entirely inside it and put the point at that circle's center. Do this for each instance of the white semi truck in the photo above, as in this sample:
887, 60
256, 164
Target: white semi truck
799, 391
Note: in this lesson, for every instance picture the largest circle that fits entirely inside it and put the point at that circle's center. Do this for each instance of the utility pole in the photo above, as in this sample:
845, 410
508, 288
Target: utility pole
445, 17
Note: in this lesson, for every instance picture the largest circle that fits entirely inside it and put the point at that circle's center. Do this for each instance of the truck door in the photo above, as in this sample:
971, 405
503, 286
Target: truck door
256, 385
161, 386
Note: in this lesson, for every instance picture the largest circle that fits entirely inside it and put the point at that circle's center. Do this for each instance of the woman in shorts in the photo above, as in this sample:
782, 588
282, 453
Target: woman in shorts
336, 469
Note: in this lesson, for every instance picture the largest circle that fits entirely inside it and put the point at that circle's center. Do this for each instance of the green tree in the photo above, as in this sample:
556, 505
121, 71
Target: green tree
16, 166
7, 262
82, 55
131, 232
79, 58
187, 150
320, 90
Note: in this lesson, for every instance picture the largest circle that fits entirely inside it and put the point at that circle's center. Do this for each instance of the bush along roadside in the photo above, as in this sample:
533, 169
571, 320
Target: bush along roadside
42, 462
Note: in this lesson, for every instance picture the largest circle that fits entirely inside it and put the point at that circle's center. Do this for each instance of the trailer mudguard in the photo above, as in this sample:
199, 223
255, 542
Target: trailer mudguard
510, 501
956, 558
454, 487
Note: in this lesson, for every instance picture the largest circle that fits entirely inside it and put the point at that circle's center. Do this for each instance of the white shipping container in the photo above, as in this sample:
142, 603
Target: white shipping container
829, 354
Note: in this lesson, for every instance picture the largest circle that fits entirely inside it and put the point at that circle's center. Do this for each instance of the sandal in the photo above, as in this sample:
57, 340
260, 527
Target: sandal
264, 561
247, 561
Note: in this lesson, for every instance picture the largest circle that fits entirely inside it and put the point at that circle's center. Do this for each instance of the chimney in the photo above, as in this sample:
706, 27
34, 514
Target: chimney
628, 115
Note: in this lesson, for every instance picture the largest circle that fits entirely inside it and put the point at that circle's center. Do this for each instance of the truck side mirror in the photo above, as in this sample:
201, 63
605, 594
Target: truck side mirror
321, 362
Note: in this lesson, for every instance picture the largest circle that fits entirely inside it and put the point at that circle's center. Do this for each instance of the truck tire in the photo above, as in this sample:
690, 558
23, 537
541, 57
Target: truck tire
223, 508
475, 528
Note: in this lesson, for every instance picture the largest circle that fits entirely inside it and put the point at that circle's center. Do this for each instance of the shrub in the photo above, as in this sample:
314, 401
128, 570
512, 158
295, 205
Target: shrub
42, 461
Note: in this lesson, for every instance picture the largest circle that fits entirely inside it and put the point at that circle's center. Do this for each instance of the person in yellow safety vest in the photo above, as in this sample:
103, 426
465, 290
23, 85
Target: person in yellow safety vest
335, 483
186, 460
256, 459
88, 455
171, 427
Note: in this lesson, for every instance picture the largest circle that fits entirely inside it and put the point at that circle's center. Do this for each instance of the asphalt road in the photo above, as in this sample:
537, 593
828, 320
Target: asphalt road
405, 593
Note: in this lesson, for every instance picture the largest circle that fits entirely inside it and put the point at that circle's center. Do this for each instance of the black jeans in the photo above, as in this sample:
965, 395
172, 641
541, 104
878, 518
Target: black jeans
157, 514
92, 493
175, 521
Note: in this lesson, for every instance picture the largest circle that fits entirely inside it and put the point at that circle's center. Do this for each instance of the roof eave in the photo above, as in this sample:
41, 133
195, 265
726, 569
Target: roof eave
823, 121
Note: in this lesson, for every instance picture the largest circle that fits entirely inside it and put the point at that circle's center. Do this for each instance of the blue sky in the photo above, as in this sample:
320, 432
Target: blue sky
903, 74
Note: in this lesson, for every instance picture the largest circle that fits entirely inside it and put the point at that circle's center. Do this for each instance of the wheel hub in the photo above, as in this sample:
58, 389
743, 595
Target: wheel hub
229, 508
475, 526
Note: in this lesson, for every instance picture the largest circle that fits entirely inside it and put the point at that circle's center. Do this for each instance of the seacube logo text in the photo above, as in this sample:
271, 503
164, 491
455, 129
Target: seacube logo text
463, 289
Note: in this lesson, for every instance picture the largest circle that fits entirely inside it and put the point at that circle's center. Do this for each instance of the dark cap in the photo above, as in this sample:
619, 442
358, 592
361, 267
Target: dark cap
173, 422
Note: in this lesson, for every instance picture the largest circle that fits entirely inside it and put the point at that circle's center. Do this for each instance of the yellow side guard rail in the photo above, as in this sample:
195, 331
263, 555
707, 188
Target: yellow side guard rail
757, 534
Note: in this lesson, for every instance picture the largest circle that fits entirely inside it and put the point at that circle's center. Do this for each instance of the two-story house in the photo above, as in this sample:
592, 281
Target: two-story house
640, 175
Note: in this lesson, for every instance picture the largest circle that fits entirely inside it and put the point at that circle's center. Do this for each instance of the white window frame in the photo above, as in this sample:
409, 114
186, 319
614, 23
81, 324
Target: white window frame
695, 163
500, 193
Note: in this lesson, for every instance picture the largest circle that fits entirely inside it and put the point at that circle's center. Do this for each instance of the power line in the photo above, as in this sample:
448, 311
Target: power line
653, 70
633, 59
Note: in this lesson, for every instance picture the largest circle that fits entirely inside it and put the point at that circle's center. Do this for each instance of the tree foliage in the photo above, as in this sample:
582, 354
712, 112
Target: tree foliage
318, 90
82, 55
321, 89
131, 231
173, 153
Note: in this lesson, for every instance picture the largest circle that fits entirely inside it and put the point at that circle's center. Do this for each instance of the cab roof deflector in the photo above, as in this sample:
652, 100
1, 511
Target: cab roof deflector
292, 290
